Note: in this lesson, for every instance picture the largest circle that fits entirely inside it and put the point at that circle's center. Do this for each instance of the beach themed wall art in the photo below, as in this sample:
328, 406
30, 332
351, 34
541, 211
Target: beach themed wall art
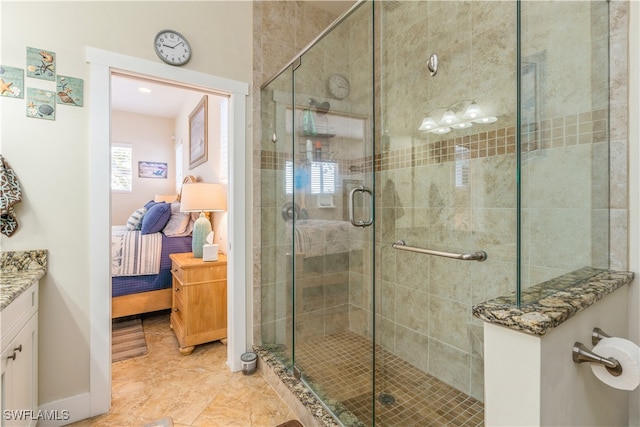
41, 64
69, 91
152, 170
41, 104
11, 82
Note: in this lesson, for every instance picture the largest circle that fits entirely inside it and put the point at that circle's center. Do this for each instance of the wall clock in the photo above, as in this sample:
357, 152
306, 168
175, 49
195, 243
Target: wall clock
172, 47
339, 86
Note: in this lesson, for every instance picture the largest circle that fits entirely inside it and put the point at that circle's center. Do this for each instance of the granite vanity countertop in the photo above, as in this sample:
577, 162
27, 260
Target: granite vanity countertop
549, 304
18, 271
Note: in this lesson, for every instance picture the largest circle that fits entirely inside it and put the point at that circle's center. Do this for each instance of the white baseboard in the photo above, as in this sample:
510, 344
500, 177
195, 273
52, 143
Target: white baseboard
65, 411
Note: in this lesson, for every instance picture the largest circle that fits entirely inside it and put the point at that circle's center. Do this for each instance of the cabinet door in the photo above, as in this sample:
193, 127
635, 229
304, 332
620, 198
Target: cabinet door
19, 378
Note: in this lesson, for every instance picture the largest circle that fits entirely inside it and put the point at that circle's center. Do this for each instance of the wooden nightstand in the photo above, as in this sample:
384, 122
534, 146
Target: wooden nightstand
199, 302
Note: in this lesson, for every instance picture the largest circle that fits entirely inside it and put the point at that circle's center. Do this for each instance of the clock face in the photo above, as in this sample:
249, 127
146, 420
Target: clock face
172, 47
339, 86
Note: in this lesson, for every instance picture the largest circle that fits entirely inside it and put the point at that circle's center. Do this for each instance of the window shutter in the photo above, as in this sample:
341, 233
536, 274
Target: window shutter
121, 167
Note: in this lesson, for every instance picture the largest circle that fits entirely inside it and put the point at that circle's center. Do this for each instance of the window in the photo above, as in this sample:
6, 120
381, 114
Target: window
323, 177
121, 167
462, 166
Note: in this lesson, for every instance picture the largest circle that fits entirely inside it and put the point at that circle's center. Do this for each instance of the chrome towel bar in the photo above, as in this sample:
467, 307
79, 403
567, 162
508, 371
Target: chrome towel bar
476, 256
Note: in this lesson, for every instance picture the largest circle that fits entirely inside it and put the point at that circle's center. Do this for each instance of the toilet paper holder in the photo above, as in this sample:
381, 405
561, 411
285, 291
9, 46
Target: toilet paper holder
582, 354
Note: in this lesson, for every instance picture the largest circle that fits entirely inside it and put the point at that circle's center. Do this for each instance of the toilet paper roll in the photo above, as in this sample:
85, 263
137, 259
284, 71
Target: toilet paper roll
627, 354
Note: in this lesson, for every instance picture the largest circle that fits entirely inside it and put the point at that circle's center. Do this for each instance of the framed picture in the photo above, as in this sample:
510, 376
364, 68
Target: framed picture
198, 130
152, 170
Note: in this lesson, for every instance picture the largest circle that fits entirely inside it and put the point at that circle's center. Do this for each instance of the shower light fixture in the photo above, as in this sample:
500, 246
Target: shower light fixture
486, 120
462, 125
472, 111
449, 118
428, 124
461, 115
441, 130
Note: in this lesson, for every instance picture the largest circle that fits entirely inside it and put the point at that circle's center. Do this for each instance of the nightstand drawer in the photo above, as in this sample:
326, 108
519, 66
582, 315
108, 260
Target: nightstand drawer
176, 271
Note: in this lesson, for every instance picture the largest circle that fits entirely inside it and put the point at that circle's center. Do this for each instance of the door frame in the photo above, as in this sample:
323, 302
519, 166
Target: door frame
101, 64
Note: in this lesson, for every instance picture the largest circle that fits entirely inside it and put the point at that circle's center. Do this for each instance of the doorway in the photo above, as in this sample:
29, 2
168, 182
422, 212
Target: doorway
102, 65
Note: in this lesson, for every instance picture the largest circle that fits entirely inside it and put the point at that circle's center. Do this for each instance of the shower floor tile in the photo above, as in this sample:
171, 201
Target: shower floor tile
339, 368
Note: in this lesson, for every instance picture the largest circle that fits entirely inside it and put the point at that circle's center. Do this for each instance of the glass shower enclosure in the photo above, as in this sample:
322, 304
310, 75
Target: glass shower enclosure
415, 160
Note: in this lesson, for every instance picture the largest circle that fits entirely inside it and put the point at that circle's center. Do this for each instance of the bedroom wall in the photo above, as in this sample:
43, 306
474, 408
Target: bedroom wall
215, 168
152, 140
51, 157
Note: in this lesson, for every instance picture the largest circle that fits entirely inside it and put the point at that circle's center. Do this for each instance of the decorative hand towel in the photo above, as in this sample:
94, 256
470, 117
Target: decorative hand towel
10, 194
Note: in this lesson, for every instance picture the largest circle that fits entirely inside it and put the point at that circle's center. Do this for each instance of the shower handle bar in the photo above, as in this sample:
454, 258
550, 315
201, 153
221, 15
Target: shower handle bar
361, 223
476, 256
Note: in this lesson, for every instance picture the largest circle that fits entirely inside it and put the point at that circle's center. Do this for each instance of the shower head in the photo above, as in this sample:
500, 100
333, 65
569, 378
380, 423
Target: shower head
321, 108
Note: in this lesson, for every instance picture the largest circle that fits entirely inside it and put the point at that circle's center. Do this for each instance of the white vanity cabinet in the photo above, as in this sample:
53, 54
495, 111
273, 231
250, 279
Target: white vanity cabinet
19, 387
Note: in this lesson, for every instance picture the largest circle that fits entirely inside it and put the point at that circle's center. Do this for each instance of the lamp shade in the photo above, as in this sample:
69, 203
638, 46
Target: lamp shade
203, 196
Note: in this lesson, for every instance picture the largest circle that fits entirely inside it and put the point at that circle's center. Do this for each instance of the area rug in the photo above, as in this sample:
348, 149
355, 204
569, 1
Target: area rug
127, 340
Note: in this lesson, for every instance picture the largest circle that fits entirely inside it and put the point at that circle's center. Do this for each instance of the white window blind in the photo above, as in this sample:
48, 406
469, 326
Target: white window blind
323, 177
288, 177
322, 181
462, 166
121, 167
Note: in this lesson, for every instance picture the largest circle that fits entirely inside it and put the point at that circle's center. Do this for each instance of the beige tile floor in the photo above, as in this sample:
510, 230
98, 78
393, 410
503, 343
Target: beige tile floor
194, 390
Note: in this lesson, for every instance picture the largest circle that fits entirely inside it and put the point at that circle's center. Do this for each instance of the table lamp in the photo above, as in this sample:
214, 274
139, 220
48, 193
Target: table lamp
201, 197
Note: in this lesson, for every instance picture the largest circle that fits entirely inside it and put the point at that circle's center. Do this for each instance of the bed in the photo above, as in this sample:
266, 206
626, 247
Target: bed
144, 293
140, 265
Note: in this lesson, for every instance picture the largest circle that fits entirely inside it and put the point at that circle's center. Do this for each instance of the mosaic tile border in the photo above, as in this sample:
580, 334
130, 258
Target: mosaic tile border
575, 129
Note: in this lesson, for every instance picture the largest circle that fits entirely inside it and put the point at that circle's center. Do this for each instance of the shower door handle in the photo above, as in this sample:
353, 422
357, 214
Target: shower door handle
352, 194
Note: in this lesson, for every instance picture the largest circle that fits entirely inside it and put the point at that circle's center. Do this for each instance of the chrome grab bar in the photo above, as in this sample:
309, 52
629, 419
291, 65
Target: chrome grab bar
476, 256
361, 223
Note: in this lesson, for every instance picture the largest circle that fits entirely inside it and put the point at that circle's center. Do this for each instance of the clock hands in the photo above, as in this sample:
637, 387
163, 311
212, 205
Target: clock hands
172, 47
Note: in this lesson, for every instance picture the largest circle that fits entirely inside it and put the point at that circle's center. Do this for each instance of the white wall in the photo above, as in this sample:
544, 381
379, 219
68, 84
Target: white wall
51, 158
211, 170
151, 139
532, 380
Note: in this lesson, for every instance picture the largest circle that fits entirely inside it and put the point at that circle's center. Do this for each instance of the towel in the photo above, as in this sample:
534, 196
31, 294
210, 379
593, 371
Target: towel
10, 194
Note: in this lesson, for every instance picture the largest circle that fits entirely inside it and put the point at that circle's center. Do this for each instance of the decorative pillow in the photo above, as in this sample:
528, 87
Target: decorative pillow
178, 222
135, 220
156, 218
169, 198
149, 204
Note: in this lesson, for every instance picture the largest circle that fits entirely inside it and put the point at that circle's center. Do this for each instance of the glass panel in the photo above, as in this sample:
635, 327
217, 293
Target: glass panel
276, 202
447, 182
333, 147
565, 149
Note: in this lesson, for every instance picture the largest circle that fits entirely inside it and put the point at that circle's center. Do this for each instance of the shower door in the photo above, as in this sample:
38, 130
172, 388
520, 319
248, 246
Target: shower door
332, 172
